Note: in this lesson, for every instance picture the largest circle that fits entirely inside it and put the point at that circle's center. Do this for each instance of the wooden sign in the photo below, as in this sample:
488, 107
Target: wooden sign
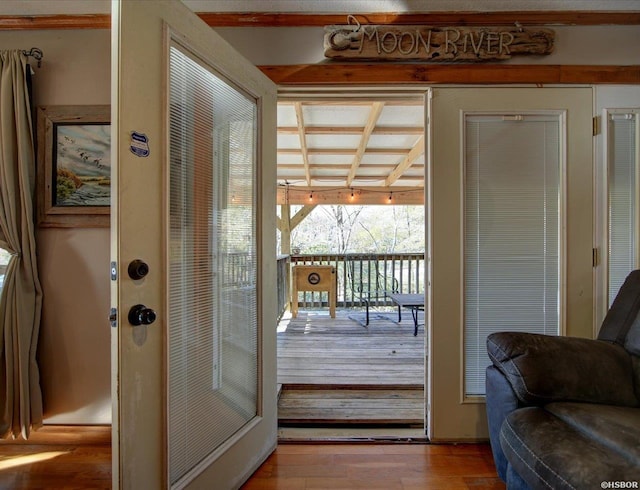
385, 42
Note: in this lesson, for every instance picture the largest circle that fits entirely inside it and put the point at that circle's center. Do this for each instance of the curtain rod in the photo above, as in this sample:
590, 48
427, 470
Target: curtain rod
35, 53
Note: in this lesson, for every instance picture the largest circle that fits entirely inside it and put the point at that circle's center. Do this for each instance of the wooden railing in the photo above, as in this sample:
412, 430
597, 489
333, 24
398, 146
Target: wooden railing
358, 275
284, 282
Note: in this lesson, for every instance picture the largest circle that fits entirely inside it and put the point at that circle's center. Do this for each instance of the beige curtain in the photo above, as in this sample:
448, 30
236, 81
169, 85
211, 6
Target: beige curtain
21, 298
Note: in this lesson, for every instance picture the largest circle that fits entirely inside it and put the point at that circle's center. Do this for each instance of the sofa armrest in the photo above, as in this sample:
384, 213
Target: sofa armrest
545, 368
501, 401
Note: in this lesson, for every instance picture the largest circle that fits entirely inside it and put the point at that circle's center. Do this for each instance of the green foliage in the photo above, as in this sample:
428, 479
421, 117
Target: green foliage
66, 184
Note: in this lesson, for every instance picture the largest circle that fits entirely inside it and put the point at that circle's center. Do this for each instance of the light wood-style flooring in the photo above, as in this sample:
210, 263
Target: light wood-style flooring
77, 457
377, 466
57, 457
335, 371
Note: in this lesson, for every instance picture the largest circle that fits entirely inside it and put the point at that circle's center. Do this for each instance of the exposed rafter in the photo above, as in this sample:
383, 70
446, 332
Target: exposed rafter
374, 115
397, 172
303, 141
351, 130
350, 142
344, 151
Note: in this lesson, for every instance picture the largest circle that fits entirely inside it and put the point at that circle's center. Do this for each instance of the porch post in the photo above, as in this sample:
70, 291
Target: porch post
285, 229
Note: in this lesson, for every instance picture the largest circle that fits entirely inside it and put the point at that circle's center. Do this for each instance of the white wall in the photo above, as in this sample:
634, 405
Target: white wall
574, 45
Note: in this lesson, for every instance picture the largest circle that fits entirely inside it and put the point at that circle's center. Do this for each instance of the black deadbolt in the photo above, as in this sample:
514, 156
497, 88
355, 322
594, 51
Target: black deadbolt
138, 269
141, 315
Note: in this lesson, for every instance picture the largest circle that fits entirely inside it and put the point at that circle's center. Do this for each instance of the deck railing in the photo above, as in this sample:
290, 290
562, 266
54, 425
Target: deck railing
284, 282
358, 274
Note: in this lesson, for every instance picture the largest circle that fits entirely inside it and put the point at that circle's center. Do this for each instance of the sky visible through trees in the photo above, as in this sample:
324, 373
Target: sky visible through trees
360, 229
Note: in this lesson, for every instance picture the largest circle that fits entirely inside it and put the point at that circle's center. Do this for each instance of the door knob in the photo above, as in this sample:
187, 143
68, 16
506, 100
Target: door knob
137, 269
141, 315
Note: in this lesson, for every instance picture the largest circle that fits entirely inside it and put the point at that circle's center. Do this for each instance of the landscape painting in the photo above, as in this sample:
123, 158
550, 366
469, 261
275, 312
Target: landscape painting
82, 169
74, 166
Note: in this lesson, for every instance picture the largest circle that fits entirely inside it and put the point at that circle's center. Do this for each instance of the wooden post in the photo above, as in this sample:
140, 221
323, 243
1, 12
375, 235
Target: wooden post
285, 229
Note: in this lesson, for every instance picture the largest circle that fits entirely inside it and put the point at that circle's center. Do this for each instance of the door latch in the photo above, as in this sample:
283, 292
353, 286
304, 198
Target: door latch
113, 317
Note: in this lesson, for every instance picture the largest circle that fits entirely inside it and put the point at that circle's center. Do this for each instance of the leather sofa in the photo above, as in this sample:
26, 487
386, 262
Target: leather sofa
564, 412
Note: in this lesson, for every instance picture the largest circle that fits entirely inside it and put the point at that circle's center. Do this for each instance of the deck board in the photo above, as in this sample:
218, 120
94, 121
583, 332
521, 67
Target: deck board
317, 349
335, 371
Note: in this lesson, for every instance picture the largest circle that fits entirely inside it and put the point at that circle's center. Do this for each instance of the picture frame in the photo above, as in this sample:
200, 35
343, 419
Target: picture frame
74, 166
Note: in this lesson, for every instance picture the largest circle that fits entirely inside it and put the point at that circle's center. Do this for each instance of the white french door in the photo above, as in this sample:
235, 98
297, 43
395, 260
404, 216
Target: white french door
510, 234
618, 191
193, 346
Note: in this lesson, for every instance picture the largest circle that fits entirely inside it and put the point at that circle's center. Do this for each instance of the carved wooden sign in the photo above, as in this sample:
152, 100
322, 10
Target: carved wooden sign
387, 42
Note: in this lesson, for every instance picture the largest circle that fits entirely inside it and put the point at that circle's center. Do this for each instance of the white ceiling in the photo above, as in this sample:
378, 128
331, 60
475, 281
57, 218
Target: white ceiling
51, 7
347, 143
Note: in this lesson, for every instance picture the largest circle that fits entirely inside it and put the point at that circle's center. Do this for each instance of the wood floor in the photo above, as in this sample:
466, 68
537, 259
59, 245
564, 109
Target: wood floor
335, 371
57, 457
71, 458
377, 466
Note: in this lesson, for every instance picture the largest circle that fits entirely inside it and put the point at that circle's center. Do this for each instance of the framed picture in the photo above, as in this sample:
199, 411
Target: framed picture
74, 166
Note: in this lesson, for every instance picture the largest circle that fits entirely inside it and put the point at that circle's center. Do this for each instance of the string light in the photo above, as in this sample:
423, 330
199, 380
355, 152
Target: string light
352, 196
311, 196
390, 196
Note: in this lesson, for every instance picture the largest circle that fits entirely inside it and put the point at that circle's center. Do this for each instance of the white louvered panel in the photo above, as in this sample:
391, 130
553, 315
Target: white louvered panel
623, 199
511, 232
212, 328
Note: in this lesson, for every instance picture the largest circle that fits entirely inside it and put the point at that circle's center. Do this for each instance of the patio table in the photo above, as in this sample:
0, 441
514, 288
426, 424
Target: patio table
414, 302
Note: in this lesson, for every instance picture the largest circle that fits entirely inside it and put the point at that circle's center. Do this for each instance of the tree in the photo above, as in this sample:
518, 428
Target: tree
364, 229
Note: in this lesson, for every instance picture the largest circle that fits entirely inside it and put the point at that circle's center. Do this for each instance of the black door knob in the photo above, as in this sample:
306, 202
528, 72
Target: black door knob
141, 315
137, 269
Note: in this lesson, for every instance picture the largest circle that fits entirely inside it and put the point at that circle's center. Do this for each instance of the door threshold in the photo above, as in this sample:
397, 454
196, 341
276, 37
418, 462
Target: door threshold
376, 435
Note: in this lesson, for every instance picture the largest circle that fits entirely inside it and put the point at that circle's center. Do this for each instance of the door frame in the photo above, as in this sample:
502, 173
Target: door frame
302, 92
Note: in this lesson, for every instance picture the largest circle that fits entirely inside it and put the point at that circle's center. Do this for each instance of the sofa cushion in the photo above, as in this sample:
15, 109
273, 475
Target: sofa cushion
545, 368
617, 428
548, 453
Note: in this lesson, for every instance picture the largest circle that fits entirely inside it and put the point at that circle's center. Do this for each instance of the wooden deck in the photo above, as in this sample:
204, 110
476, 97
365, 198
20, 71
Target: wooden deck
336, 371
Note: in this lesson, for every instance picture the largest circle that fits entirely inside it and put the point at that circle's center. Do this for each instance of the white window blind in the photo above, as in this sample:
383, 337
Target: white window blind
622, 165
212, 326
512, 196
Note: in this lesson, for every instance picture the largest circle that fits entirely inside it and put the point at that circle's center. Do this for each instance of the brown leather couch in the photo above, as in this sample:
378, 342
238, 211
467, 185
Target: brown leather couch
564, 412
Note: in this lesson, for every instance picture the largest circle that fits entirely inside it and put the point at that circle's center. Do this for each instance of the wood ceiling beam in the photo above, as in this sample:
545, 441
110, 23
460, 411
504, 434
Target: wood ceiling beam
301, 215
416, 151
261, 19
345, 166
344, 151
303, 141
339, 100
361, 196
324, 74
372, 120
434, 18
338, 180
35, 22
401, 130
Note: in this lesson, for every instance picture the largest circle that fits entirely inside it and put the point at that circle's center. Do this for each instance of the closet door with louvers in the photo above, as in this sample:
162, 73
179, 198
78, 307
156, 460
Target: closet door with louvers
623, 207
510, 234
